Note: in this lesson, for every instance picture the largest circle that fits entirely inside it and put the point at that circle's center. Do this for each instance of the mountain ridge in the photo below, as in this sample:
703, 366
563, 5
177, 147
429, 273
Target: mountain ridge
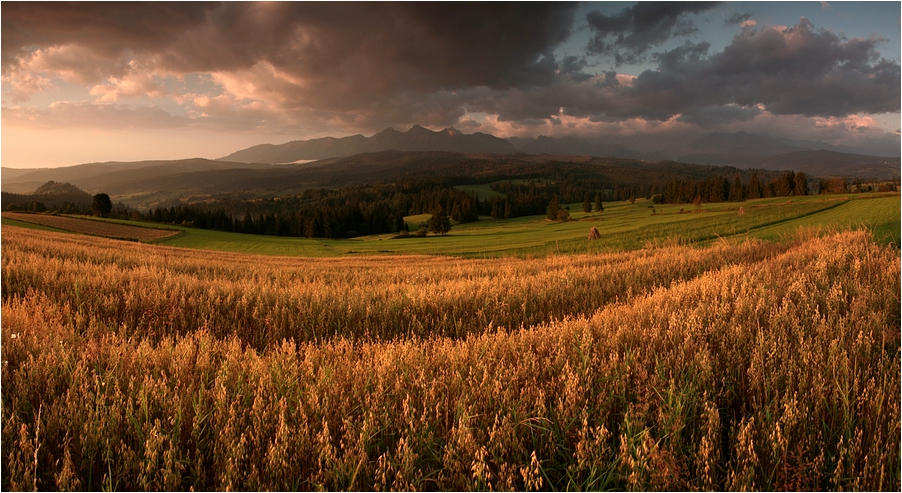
144, 183
93, 177
417, 139
734, 149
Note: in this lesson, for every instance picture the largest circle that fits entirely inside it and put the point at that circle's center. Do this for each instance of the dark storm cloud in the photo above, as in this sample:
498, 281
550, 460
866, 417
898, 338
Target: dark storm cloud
105, 28
359, 59
371, 65
790, 71
800, 70
629, 35
688, 53
422, 45
737, 18
573, 67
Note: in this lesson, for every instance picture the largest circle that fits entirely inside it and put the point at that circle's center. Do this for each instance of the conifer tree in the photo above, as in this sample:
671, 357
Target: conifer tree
587, 204
754, 187
456, 213
801, 184
439, 223
553, 207
737, 193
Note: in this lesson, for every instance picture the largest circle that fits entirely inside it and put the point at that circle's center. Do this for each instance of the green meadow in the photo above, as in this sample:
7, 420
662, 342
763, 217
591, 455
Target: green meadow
622, 226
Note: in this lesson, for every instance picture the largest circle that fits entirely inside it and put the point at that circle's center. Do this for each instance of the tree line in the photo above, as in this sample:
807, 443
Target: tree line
381, 208
720, 189
326, 213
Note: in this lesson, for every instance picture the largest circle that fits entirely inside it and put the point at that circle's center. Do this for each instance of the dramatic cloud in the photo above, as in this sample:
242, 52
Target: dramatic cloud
424, 46
311, 68
799, 70
629, 35
795, 71
738, 18
360, 59
106, 29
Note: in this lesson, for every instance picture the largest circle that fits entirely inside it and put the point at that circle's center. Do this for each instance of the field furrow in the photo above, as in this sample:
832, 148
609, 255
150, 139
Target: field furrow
91, 227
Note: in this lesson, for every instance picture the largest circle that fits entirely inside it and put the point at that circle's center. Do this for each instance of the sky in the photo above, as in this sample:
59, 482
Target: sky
92, 82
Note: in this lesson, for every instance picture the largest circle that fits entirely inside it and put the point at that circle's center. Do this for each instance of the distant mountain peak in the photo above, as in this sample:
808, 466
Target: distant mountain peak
416, 139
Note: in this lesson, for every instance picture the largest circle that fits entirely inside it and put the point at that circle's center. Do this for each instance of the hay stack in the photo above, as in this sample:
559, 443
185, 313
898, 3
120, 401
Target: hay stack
593, 233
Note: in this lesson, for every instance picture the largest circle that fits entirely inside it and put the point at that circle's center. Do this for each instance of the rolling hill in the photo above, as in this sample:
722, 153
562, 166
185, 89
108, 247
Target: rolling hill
814, 163
50, 194
144, 185
420, 153
100, 177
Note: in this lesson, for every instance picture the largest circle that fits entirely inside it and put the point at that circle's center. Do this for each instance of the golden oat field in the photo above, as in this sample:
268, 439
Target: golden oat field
742, 365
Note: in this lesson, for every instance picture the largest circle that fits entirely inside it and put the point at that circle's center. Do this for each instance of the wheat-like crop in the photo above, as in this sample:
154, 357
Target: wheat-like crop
739, 366
152, 291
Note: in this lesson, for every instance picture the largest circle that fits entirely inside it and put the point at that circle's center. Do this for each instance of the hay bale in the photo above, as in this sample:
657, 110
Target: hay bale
593, 233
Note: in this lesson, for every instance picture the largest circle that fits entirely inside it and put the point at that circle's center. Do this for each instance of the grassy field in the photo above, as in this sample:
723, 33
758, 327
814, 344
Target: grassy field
623, 226
741, 365
483, 191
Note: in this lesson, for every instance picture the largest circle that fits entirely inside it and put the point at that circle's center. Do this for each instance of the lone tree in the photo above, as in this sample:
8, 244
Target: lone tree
598, 206
102, 205
439, 223
587, 204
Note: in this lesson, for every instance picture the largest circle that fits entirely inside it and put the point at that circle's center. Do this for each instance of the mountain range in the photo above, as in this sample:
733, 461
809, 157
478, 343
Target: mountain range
261, 171
417, 139
739, 149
